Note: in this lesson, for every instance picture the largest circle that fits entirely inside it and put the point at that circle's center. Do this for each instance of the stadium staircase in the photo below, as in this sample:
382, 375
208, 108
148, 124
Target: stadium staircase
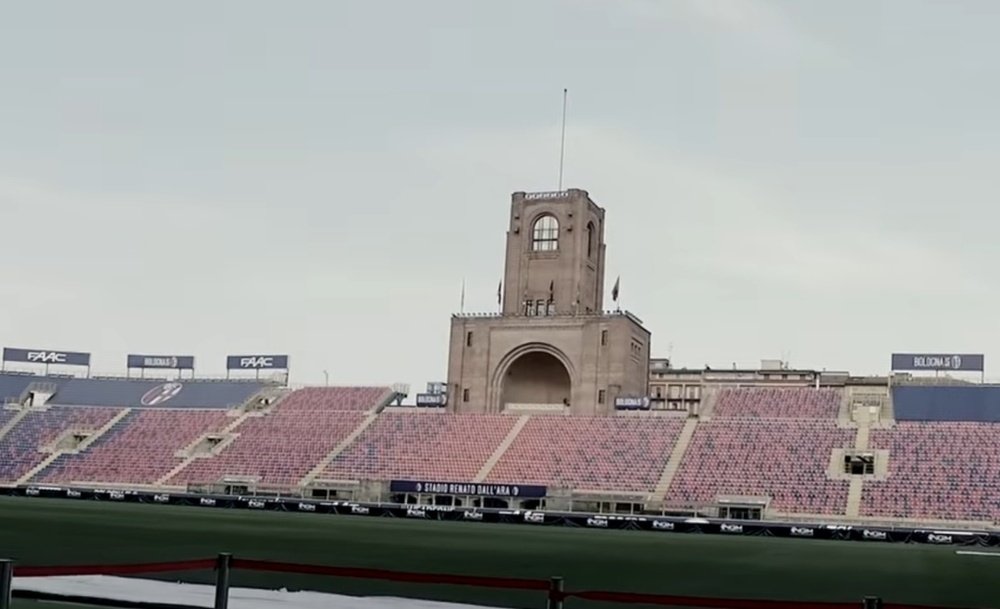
501, 449
857, 483
709, 396
674, 462
42, 392
268, 397
845, 418
227, 432
82, 446
339, 448
11, 424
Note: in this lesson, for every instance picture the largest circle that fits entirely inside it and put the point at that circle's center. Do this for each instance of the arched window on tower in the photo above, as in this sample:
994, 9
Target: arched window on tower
545, 234
591, 239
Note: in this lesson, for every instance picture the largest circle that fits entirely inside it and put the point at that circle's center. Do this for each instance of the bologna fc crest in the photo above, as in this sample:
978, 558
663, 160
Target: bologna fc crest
161, 393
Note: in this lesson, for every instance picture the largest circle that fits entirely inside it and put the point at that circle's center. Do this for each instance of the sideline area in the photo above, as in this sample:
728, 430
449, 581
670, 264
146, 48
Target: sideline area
51, 532
200, 595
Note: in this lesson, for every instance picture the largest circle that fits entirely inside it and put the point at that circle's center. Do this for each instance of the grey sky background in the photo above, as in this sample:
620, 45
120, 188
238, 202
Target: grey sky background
808, 180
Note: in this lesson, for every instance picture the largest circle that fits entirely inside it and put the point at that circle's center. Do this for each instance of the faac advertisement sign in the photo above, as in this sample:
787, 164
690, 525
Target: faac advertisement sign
43, 356
257, 362
938, 361
477, 489
171, 362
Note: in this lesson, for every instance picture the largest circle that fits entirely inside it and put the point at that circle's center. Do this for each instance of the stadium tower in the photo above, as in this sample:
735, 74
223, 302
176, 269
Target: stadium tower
552, 347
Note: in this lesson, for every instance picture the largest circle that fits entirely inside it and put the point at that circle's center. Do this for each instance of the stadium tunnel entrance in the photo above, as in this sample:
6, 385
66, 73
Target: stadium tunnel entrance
536, 378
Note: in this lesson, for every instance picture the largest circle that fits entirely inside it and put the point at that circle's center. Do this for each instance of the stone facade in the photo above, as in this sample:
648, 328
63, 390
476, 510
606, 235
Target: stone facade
552, 346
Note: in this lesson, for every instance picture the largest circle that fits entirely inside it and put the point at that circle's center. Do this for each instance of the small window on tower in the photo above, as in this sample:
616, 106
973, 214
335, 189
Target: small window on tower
529, 308
465, 394
604, 338
600, 396
545, 234
468, 339
591, 239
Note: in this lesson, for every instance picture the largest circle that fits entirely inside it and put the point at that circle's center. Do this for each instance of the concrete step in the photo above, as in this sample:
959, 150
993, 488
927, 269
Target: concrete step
227, 430
339, 448
854, 497
501, 449
11, 424
861, 438
674, 462
79, 449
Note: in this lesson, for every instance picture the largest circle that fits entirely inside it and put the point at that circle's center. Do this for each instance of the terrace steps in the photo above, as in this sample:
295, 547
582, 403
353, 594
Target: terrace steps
674, 462
56, 453
230, 436
343, 444
502, 448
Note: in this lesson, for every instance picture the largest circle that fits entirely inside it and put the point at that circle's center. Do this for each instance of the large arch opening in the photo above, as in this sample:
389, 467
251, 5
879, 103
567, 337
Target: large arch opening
536, 378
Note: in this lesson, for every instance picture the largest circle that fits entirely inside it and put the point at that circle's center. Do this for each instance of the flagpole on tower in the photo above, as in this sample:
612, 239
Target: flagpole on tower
562, 139
461, 305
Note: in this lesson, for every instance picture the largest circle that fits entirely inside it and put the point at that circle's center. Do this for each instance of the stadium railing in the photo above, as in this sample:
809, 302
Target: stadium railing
554, 587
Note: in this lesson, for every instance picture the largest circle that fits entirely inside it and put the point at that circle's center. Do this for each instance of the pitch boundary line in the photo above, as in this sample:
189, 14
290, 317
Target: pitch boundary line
974, 553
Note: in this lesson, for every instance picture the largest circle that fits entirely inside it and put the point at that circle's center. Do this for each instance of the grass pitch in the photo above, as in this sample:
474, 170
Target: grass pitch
40, 531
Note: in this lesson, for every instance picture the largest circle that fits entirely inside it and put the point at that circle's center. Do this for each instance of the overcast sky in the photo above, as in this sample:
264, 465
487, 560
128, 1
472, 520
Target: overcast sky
815, 181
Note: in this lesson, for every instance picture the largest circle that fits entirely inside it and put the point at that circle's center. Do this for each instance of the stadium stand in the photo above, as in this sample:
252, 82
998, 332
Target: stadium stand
768, 442
422, 446
609, 453
138, 449
318, 399
784, 459
778, 402
21, 449
279, 447
6, 416
937, 470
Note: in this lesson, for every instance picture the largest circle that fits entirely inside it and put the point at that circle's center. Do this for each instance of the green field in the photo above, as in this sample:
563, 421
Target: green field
40, 531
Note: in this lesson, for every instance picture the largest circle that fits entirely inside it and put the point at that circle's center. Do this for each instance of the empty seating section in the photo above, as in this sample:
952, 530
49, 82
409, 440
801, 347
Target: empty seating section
282, 446
784, 459
408, 446
940, 470
760, 442
614, 453
6, 416
775, 402
336, 398
140, 448
20, 448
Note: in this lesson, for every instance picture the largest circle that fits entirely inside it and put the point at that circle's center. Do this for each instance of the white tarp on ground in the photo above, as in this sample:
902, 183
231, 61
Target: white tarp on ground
197, 595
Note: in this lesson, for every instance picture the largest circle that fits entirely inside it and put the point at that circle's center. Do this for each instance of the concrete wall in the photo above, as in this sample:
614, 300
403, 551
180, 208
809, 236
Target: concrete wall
608, 353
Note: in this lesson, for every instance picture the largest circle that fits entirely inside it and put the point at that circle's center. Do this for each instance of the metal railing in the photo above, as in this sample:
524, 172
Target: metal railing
554, 587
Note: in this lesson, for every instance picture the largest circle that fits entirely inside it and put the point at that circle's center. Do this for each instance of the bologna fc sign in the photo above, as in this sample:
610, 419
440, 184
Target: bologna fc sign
161, 393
